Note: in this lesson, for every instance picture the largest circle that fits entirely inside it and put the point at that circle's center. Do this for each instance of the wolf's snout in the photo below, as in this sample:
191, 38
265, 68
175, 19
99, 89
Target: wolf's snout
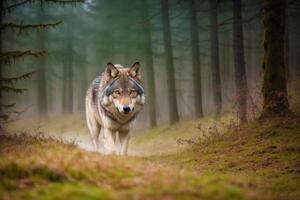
126, 109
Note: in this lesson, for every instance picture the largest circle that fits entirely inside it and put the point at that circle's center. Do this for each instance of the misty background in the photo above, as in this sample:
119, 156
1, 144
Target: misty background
84, 37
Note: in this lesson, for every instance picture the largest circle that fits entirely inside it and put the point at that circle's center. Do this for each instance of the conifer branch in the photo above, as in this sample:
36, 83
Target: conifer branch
17, 78
26, 27
7, 106
8, 57
13, 6
65, 1
5, 88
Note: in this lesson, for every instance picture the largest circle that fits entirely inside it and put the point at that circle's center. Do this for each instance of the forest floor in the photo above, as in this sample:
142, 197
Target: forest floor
198, 159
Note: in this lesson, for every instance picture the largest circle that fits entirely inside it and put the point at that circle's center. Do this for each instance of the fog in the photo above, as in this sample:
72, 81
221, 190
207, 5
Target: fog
80, 38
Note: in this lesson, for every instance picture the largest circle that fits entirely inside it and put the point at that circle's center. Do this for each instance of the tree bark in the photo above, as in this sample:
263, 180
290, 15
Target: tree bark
215, 60
195, 59
1, 49
173, 111
274, 90
239, 61
286, 42
297, 65
149, 67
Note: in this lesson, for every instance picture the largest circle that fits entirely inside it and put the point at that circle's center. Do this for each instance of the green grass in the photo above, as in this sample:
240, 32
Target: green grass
64, 191
259, 160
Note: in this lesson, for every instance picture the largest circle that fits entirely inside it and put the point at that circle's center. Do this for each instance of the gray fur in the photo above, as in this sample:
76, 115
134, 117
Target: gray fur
103, 113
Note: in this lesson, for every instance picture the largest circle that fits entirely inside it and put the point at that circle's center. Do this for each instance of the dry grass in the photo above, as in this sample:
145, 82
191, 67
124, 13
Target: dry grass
259, 160
265, 155
47, 169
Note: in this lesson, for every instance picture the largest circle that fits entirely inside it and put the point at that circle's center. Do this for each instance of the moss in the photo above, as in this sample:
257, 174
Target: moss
289, 156
13, 171
64, 191
259, 161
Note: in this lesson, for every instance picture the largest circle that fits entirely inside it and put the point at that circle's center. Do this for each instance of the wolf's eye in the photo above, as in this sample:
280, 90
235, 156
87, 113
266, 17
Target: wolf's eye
133, 93
117, 93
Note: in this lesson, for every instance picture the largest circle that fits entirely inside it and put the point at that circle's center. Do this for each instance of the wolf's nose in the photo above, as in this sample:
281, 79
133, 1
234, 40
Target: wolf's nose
126, 109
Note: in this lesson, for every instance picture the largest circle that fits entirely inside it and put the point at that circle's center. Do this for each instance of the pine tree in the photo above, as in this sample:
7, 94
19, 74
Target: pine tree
239, 61
215, 60
6, 57
173, 110
149, 65
274, 88
195, 58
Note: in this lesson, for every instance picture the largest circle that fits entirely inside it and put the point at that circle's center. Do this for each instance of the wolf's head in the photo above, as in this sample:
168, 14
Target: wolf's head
123, 90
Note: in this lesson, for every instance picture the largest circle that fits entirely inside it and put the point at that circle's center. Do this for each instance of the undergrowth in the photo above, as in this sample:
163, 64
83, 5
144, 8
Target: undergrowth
258, 160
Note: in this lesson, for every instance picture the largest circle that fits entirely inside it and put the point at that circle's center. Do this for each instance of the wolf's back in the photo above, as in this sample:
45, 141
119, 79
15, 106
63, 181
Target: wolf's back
92, 94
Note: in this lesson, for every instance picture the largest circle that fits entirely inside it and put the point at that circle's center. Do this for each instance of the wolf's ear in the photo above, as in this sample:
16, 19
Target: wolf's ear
135, 71
111, 71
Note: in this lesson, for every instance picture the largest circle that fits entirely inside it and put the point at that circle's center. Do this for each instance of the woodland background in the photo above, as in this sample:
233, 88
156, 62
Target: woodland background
186, 48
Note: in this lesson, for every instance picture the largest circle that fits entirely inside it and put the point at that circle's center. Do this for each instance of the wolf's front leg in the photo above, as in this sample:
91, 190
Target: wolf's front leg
124, 137
109, 141
94, 129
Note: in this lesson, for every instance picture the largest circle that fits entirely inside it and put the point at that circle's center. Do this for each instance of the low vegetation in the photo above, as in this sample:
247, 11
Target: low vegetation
190, 160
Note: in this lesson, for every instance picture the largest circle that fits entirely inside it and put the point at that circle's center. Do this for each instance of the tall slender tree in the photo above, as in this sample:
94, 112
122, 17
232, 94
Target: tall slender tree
1, 47
41, 68
239, 61
149, 65
195, 58
69, 66
83, 85
215, 60
173, 110
297, 66
274, 90
286, 41
65, 86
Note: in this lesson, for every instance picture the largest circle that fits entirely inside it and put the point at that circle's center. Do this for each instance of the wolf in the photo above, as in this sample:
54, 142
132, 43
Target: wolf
113, 102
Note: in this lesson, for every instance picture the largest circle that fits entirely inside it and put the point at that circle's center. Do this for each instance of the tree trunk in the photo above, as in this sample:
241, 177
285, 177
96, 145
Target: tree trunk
297, 43
70, 74
215, 63
239, 61
173, 111
249, 55
195, 59
83, 82
41, 71
67, 90
286, 42
149, 67
1, 49
64, 86
274, 88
